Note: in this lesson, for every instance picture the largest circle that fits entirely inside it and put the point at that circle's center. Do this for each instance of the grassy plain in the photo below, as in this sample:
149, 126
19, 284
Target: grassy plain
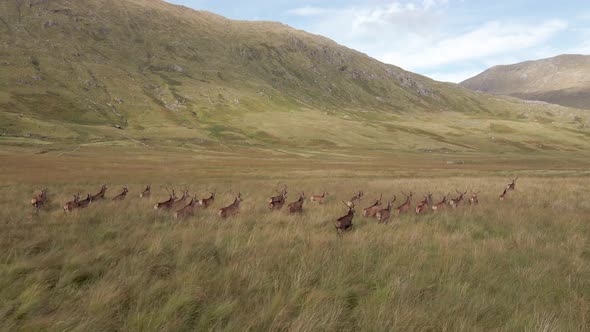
521, 264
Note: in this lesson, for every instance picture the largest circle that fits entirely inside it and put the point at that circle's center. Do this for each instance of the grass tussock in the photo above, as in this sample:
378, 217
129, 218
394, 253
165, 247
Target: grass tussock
521, 264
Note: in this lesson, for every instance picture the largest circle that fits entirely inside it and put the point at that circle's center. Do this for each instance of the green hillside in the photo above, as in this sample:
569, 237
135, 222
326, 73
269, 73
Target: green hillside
145, 72
562, 80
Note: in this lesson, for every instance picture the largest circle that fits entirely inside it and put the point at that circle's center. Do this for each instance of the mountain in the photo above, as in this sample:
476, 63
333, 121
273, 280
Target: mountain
562, 80
146, 72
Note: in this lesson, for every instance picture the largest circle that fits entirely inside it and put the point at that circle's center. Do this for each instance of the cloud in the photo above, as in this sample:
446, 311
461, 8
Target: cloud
453, 76
308, 11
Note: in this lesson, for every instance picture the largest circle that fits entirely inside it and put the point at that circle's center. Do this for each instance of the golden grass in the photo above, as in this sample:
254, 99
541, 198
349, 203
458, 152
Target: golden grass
521, 264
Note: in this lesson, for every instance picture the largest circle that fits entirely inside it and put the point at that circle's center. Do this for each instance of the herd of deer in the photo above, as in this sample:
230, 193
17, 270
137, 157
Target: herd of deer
185, 206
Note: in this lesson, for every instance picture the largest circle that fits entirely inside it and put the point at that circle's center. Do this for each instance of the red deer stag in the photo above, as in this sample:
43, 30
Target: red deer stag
440, 205
206, 202
147, 192
71, 205
320, 199
277, 202
405, 207
182, 201
371, 211
122, 195
384, 214
232, 209
39, 200
344, 223
85, 202
297, 206
188, 210
166, 205
100, 194
503, 195
454, 202
474, 199
356, 197
424, 204
512, 185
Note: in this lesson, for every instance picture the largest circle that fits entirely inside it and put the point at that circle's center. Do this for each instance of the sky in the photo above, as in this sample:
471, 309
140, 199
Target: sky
447, 40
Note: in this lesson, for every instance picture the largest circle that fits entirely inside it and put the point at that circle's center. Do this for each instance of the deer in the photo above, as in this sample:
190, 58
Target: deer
320, 199
356, 197
39, 200
424, 204
405, 207
122, 195
344, 223
440, 205
182, 201
147, 192
384, 214
187, 210
503, 195
71, 205
277, 202
100, 194
372, 210
474, 199
85, 202
454, 202
297, 206
512, 185
167, 205
232, 209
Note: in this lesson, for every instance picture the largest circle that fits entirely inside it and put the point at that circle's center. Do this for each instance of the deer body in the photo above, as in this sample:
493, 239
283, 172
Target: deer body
232, 209
503, 195
405, 207
122, 195
205, 202
297, 206
100, 194
181, 202
320, 199
454, 202
356, 197
71, 205
512, 185
85, 202
39, 200
440, 205
372, 210
277, 202
474, 199
423, 205
166, 205
147, 192
344, 223
188, 210
384, 214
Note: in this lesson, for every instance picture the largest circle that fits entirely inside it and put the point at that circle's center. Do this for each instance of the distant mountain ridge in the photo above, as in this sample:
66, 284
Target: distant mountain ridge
562, 80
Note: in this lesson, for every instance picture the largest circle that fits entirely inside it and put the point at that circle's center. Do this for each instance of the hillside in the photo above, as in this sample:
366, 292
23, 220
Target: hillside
145, 72
562, 80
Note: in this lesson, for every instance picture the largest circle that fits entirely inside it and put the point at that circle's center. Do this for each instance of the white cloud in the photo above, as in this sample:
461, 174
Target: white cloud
308, 11
454, 76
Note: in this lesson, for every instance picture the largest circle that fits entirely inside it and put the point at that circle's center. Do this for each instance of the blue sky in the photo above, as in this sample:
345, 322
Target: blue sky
448, 40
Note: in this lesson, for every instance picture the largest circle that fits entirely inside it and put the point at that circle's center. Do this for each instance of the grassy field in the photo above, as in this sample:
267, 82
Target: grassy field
520, 264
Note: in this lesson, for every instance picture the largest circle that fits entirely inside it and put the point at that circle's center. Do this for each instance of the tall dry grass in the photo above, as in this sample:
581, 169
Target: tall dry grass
521, 264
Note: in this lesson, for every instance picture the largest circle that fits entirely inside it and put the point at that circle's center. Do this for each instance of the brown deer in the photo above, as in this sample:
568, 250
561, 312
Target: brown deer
206, 202
405, 207
100, 194
440, 205
474, 199
320, 199
85, 202
39, 200
512, 185
188, 210
147, 192
371, 211
277, 202
232, 209
166, 205
122, 195
344, 223
181, 202
356, 197
503, 195
424, 204
384, 214
297, 206
454, 202
71, 205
